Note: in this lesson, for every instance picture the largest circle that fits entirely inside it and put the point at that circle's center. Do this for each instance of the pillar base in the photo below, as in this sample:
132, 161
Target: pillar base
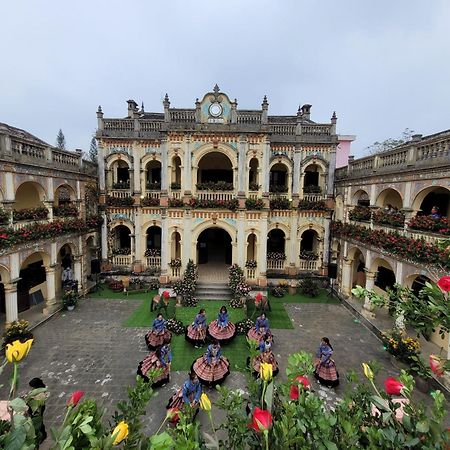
164, 279
262, 282
367, 313
50, 308
137, 267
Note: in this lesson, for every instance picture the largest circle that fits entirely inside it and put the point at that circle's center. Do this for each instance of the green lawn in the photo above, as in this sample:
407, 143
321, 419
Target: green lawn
184, 352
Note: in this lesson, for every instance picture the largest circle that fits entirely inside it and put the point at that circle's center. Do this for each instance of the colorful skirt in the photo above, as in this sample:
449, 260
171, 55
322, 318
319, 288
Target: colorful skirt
154, 340
196, 336
176, 401
256, 335
327, 374
267, 357
211, 374
152, 362
222, 334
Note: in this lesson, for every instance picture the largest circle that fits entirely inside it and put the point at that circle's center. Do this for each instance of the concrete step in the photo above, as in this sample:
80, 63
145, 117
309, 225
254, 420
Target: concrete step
213, 291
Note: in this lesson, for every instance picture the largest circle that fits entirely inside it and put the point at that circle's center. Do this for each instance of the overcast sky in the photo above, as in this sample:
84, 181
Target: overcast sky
382, 65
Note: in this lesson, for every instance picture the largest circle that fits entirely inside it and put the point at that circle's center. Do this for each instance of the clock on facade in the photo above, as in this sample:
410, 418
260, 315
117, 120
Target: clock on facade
215, 109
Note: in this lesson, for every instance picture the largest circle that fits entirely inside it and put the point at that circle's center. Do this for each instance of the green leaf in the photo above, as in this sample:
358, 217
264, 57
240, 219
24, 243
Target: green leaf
268, 397
380, 403
18, 405
423, 426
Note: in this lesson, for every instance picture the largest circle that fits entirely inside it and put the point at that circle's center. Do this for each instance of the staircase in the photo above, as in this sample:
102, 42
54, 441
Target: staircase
212, 291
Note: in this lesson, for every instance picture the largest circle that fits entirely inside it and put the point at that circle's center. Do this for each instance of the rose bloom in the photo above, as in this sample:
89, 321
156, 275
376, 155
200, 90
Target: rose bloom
444, 284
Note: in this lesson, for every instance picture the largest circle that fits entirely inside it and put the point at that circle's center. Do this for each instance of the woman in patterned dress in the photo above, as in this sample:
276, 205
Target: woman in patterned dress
222, 329
260, 329
158, 334
212, 368
325, 370
161, 358
196, 332
266, 355
188, 395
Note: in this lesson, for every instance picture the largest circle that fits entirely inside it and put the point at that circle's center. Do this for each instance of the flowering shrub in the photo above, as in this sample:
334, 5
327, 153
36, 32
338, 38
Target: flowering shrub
428, 223
251, 264
224, 204
410, 249
30, 214
309, 255
214, 186
280, 203
122, 185
154, 284
276, 256
176, 203
187, 286
65, 211
253, 186
244, 326
309, 287
176, 326
277, 188
152, 252
308, 205
312, 189
122, 251
251, 203
278, 291
401, 346
239, 288
175, 263
392, 218
360, 213
4, 217
116, 286
116, 201
150, 201
153, 186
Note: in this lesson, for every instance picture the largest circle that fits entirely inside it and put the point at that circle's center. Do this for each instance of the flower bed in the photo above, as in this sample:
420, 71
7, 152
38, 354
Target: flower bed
401, 346
280, 203
319, 205
35, 232
223, 204
392, 218
414, 250
150, 201
428, 223
116, 201
65, 211
214, 186
30, 214
176, 203
256, 203
359, 213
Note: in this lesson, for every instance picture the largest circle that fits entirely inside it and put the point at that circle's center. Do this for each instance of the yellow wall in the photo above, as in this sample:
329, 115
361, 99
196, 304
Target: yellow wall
27, 196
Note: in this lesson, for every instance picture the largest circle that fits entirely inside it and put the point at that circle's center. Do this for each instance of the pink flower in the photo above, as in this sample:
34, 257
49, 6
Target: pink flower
399, 411
392, 386
75, 398
436, 365
444, 284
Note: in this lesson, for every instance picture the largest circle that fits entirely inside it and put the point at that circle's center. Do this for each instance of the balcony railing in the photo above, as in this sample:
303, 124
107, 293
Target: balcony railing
176, 272
250, 273
153, 194
275, 264
121, 260
314, 197
153, 262
119, 193
309, 265
215, 195
25, 223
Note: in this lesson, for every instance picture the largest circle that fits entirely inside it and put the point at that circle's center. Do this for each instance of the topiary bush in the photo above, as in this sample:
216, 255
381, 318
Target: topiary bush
278, 291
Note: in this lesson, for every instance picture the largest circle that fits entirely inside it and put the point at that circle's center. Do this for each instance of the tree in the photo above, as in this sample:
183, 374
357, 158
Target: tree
60, 140
391, 143
93, 150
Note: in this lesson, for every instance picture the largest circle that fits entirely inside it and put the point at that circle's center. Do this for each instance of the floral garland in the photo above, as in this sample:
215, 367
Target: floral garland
392, 218
30, 214
225, 204
280, 203
65, 211
176, 203
360, 213
116, 201
310, 205
254, 203
150, 201
428, 223
214, 186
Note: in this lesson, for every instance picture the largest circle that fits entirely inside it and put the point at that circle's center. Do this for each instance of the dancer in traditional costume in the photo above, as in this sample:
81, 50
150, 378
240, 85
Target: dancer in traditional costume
196, 332
222, 329
158, 334
260, 329
266, 355
161, 358
325, 370
212, 368
188, 395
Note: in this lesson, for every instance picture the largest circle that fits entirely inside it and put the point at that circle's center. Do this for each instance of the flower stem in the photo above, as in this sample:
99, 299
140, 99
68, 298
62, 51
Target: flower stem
12, 392
266, 438
263, 392
212, 425
163, 422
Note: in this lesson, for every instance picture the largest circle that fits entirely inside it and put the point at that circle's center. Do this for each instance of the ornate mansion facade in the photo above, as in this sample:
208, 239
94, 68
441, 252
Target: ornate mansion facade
218, 185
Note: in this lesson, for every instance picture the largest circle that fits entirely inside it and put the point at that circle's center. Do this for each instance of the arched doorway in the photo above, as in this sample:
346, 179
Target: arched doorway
214, 247
278, 178
390, 198
213, 168
153, 170
121, 175
432, 197
253, 179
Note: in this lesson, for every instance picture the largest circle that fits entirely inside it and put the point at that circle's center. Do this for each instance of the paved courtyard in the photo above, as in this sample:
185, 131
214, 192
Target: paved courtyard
89, 350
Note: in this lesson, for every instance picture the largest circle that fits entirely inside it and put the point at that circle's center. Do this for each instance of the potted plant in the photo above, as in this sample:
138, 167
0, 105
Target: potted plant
421, 373
70, 299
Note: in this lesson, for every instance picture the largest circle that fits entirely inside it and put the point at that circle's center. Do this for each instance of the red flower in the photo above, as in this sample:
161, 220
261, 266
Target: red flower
166, 294
436, 365
294, 393
75, 398
392, 386
261, 420
444, 284
173, 415
258, 297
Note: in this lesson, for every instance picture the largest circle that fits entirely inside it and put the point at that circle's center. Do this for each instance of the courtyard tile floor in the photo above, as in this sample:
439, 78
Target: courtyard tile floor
89, 350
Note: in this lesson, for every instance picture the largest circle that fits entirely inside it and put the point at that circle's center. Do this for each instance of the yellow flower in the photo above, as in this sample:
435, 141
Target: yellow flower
205, 402
266, 371
120, 432
16, 351
367, 371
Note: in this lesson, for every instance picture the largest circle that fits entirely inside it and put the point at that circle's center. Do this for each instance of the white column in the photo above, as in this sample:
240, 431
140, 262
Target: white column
9, 186
104, 239
296, 176
11, 302
164, 164
186, 239
262, 254
331, 169
346, 277
187, 179
138, 236
78, 273
137, 170
165, 250
50, 273
368, 308
326, 242
241, 253
294, 246
372, 195
242, 165
265, 167
50, 190
101, 167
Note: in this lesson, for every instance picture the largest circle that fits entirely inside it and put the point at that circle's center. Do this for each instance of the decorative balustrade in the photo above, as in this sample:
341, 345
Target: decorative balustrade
275, 195
31, 151
147, 125
275, 264
119, 193
309, 265
248, 117
282, 129
254, 195
314, 197
316, 129
176, 194
393, 159
153, 262
153, 194
25, 223
176, 272
121, 260
65, 158
182, 115
118, 124
116, 212
215, 195
250, 273
426, 236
